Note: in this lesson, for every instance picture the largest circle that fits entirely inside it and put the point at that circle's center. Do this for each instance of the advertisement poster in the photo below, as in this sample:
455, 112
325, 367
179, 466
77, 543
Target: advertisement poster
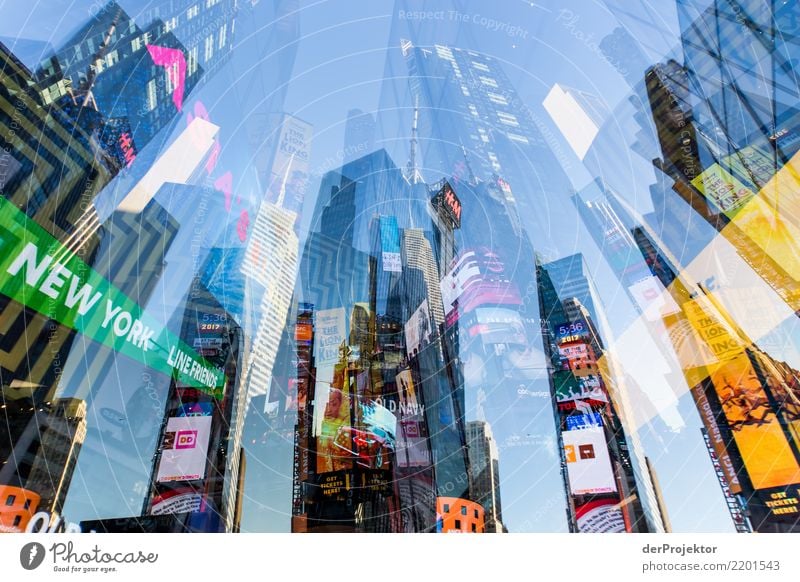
329, 333
759, 436
601, 516
588, 463
464, 272
176, 501
570, 331
335, 440
723, 191
418, 329
570, 387
183, 456
580, 421
374, 441
579, 356
496, 325
652, 298
390, 244
289, 175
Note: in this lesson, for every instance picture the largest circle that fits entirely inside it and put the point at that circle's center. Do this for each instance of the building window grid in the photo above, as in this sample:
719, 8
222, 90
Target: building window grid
209, 52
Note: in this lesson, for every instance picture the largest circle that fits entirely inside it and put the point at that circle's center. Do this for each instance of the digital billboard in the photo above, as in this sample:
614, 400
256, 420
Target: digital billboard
374, 440
182, 500
464, 271
588, 464
41, 276
764, 448
652, 298
412, 444
569, 387
723, 191
601, 516
579, 421
783, 502
492, 286
330, 332
184, 449
418, 329
390, 244
335, 440
406, 392
578, 356
496, 325
570, 331
752, 165
289, 174
447, 200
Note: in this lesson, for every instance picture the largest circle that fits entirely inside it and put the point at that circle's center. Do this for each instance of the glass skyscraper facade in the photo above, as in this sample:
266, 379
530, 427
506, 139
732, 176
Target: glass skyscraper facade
433, 267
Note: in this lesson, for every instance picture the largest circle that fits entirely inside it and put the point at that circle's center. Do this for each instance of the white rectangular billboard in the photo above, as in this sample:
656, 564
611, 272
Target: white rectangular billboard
588, 464
184, 449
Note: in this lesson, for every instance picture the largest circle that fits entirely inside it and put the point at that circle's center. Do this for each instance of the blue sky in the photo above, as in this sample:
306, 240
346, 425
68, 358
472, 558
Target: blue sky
340, 66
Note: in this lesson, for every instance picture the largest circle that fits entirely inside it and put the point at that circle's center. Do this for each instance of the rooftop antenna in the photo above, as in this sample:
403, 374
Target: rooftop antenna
414, 175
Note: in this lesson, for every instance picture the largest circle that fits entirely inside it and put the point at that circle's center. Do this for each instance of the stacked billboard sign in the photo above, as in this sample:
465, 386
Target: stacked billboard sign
749, 387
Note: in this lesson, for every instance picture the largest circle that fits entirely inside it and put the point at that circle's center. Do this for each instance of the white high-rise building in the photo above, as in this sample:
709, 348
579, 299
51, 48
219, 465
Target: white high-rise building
271, 262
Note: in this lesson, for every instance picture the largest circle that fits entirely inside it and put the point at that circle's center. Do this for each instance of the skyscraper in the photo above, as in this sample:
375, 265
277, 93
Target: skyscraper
484, 461
593, 408
271, 261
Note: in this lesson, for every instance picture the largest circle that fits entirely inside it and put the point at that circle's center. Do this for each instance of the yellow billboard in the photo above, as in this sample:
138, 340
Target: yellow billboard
761, 440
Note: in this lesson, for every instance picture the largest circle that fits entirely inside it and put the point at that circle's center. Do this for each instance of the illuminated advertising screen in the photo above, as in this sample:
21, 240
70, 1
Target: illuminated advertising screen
579, 356
652, 298
374, 440
464, 272
412, 445
496, 325
569, 387
390, 244
718, 452
601, 516
176, 501
195, 409
588, 463
764, 228
579, 421
447, 200
763, 446
570, 331
407, 393
78, 297
330, 332
335, 440
783, 502
289, 174
723, 191
418, 329
303, 332
492, 287
184, 449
